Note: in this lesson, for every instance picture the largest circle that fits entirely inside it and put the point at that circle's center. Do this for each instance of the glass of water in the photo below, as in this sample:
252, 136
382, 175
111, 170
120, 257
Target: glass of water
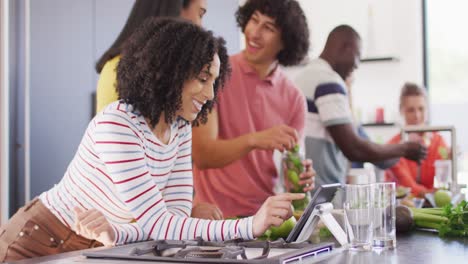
359, 216
384, 203
443, 174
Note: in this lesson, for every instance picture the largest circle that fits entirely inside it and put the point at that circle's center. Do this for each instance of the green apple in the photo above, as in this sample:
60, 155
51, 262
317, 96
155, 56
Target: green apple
442, 198
281, 231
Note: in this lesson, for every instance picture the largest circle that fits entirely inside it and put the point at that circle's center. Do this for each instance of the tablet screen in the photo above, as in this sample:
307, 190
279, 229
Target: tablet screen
322, 194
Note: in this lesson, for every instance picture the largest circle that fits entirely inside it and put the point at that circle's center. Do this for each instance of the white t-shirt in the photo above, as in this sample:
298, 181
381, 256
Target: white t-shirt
327, 103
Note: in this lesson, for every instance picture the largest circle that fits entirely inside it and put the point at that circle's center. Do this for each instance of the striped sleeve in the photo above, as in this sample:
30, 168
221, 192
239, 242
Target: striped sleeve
120, 148
331, 104
179, 200
126, 233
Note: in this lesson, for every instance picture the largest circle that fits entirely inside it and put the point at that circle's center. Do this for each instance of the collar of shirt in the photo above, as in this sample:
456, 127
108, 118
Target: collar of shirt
325, 64
272, 78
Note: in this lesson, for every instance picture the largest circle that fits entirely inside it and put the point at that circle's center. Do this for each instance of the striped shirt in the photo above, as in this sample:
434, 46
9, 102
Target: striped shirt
328, 105
142, 186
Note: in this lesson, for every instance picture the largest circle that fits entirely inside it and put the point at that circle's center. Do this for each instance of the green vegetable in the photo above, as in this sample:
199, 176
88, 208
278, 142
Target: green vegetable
432, 211
442, 198
296, 149
295, 168
424, 224
282, 231
457, 224
417, 216
449, 220
300, 204
296, 160
294, 179
324, 233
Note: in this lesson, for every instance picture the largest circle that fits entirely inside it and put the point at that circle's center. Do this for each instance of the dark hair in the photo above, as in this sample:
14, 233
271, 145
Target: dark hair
157, 60
411, 89
344, 33
186, 3
290, 18
141, 10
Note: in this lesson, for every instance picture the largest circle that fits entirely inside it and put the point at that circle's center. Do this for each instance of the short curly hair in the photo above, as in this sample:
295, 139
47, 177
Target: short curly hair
290, 18
157, 60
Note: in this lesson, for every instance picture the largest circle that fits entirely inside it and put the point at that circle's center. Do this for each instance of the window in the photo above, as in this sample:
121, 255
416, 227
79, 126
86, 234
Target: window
446, 48
446, 67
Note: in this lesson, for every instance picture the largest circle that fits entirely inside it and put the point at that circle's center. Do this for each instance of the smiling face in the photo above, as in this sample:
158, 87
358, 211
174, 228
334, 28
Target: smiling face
197, 91
194, 11
414, 109
262, 39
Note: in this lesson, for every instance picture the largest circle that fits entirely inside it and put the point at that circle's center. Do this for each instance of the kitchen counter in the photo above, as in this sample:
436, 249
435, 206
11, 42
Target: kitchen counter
416, 247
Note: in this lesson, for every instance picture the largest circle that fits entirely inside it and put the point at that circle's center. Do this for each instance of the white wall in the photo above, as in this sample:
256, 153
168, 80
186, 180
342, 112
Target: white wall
387, 28
4, 161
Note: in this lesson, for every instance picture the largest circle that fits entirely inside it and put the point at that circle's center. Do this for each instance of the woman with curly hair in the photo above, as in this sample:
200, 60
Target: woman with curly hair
260, 111
131, 178
192, 10
106, 92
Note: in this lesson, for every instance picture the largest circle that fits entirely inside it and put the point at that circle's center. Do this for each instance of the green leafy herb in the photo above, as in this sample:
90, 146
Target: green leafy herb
449, 220
295, 168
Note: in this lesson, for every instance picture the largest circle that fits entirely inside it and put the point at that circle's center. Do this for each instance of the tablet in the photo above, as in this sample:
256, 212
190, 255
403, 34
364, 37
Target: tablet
322, 194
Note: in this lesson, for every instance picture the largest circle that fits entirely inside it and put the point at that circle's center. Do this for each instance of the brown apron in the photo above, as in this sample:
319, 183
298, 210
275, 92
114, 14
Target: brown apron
34, 231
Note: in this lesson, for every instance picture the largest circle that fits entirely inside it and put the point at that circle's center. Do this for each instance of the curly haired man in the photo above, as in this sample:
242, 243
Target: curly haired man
260, 111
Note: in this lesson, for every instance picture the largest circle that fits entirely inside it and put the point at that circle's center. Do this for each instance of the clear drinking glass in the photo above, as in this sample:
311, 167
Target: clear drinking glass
443, 174
358, 211
384, 203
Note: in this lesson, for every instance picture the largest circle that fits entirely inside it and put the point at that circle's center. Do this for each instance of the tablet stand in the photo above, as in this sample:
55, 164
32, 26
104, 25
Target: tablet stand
322, 212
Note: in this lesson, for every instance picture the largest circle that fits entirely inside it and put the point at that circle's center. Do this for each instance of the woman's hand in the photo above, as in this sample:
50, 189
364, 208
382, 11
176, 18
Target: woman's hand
207, 211
92, 224
307, 177
274, 211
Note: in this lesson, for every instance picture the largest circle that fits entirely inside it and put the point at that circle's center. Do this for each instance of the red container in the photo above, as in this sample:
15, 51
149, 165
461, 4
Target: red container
379, 115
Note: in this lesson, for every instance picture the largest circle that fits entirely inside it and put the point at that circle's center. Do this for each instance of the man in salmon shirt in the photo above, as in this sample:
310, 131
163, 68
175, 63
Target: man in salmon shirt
259, 110
413, 108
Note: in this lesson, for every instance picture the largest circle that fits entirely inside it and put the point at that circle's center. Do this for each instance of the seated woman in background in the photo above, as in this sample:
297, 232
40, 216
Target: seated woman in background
131, 178
413, 108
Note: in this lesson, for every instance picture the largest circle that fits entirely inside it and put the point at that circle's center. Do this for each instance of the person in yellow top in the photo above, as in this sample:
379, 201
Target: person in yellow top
106, 92
192, 10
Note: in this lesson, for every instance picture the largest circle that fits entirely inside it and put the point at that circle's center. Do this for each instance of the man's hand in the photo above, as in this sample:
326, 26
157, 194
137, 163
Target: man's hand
274, 211
92, 224
414, 151
207, 211
308, 176
279, 137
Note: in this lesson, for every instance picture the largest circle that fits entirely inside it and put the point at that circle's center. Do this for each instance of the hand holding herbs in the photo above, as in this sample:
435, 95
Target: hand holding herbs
448, 220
